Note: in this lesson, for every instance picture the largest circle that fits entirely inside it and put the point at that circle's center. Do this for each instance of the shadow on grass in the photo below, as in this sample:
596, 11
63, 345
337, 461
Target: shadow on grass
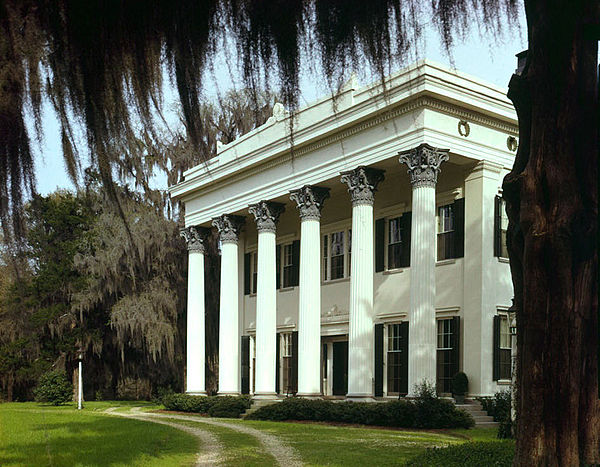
94, 441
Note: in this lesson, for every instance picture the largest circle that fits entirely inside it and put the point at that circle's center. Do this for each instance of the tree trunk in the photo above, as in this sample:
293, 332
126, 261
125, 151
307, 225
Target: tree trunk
551, 196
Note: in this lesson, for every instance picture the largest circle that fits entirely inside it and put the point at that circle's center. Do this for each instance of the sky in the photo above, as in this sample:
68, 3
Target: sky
491, 59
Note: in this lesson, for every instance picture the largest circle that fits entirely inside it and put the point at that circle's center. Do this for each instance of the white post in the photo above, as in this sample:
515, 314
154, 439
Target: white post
266, 215
310, 201
229, 334
362, 183
423, 166
196, 361
80, 383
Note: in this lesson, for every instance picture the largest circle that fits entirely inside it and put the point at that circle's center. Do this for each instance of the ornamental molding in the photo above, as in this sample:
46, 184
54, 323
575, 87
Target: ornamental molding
424, 164
309, 200
266, 214
229, 227
195, 236
420, 102
362, 183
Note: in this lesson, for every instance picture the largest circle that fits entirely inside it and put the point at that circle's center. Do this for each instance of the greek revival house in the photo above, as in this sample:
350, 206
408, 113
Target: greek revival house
369, 258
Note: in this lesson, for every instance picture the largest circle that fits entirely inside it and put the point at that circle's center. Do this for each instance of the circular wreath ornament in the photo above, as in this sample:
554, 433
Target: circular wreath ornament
511, 143
463, 128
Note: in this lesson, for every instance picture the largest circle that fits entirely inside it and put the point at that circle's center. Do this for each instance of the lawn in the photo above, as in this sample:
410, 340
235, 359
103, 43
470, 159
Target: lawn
35, 434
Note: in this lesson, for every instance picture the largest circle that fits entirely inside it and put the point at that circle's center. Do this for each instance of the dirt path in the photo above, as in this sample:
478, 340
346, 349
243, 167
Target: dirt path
285, 455
211, 453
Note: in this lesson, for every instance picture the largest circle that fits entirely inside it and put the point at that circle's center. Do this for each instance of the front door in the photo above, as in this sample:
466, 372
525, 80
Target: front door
340, 368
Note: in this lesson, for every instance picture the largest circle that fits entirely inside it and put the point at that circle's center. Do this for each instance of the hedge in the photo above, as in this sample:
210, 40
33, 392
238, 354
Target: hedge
499, 407
215, 406
474, 454
430, 413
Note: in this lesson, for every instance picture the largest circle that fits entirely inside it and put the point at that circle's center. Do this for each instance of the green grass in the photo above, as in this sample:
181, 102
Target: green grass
34, 434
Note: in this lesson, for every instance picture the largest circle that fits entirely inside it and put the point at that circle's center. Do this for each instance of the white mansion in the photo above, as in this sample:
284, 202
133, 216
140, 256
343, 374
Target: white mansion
370, 257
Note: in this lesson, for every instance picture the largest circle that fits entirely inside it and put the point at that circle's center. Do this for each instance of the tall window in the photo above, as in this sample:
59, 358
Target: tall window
394, 243
445, 365
503, 227
286, 363
394, 359
445, 232
336, 255
505, 348
254, 262
287, 265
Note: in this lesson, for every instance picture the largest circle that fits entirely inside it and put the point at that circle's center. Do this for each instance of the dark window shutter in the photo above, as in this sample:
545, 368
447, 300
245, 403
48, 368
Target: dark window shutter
378, 360
497, 225
294, 382
406, 221
459, 228
278, 266
496, 366
277, 361
455, 337
247, 258
295, 279
379, 244
245, 364
403, 389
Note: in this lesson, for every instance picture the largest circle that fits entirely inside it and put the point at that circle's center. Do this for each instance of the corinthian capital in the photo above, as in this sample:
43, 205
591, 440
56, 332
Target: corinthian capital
362, 183
310, 201
194, 237
229, 227
424, 164
266, 214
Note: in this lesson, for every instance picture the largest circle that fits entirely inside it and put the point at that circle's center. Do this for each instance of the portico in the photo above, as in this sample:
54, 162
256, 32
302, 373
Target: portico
353, 249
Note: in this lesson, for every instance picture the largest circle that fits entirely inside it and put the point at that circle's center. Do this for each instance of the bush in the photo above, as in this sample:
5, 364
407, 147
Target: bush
215, 406
493, 454
430, 413
499, 407
460, 384
54, 387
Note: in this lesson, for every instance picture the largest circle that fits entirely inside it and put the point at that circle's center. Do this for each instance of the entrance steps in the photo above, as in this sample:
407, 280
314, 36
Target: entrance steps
258, 403
482, 419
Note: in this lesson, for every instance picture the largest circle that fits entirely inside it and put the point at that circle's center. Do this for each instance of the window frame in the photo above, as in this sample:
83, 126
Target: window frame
386, 255
446, 233
503, 231
505, 350
447, 349
326, 250
386, 361
253, 271
285, 356
283, 265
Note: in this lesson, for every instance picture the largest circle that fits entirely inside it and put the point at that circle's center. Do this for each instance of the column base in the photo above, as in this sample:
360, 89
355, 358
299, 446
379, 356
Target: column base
310, 395
196, 393
265, 395
360, 397
229, 393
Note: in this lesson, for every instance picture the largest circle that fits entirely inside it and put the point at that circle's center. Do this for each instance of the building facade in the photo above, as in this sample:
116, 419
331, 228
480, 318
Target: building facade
370, 257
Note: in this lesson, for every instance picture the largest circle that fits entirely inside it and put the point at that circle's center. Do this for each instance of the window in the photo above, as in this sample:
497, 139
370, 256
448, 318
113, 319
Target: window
394, 243
287, 265
505, 348
337, 251
501, 228
254, 263
286, 363
395, 371
445, 232
447, 353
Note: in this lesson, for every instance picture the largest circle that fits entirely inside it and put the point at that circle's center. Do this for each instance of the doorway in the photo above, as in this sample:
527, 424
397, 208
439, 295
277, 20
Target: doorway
335, 366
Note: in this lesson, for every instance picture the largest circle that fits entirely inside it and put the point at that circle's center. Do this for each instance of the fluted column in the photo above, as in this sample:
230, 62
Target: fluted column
266, 215
229, 227
310, 201
423, 166
196, 336
362, 183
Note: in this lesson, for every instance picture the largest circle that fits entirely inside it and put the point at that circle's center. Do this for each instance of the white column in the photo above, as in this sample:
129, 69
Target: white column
266, 215
196, 357
362, 183
229, 333
423, 166
310, 201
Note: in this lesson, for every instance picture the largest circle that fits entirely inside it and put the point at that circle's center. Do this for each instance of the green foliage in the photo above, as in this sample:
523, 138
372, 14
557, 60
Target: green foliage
460, 384
429, 412
499, 407
54, 387
215, 406
478, 454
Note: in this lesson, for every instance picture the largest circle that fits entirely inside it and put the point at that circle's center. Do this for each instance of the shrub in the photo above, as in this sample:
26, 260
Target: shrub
460, 384
493, 454
499, 407
215, 406
433, 412
398, 413
54, 387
